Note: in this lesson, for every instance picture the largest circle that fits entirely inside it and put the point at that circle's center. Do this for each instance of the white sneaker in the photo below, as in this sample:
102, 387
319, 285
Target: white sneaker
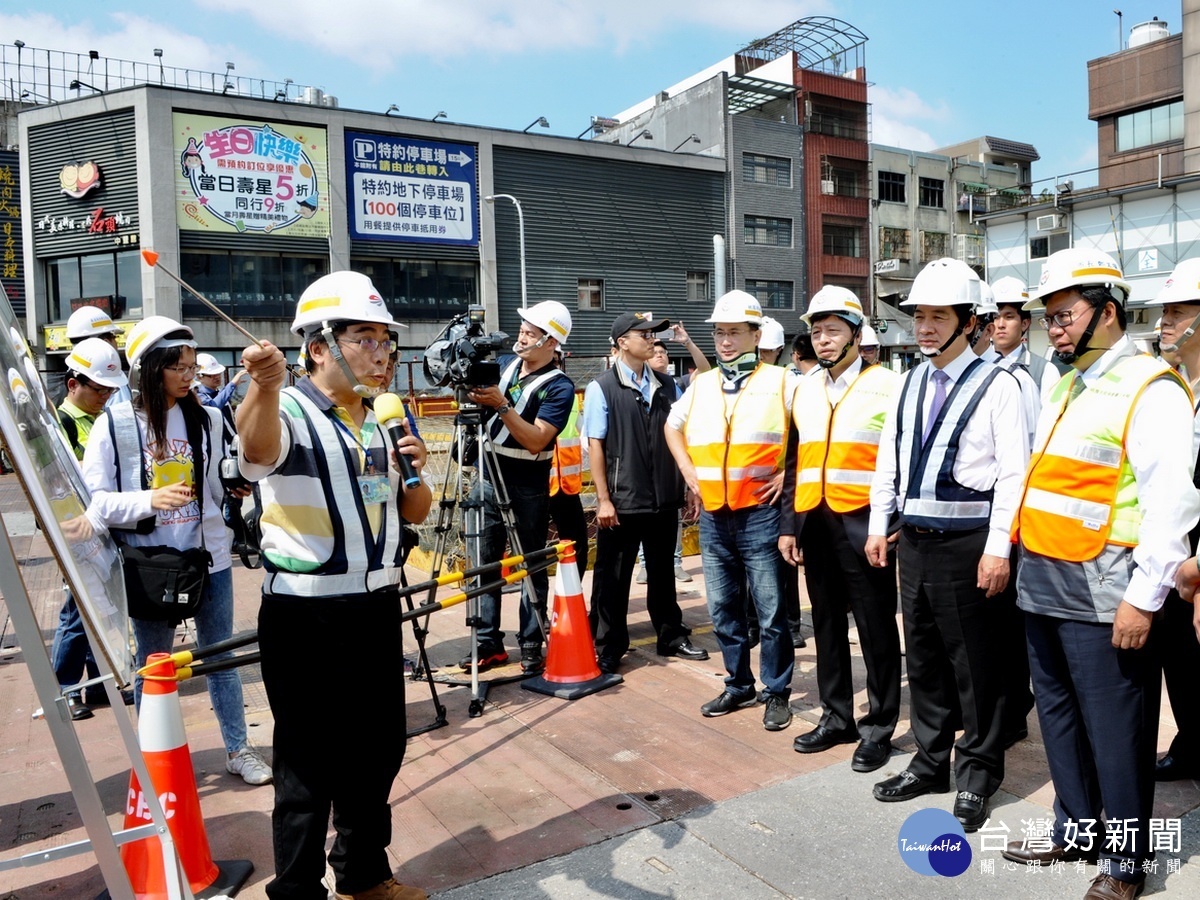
249, 763
682, 574
641, 575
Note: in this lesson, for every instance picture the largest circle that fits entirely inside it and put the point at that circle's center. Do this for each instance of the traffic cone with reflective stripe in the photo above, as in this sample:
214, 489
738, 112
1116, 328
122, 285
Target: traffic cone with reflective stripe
164, 747
571, 671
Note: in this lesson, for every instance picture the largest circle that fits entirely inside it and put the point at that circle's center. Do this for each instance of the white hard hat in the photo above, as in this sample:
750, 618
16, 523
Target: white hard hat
772, 334
340, 297
734, 307
90, 321
151, 334
1183, 286
834, 300
98, 361
206, 364
945, 282
550, 316
868, 338
1079, 267
987, 301
1010, 290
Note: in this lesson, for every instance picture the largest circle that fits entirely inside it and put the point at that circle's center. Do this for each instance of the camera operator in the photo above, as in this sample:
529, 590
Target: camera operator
530, 407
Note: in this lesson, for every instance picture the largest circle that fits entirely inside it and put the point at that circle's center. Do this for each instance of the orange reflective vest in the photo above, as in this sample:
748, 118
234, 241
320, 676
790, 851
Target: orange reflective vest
1080, 492
566, 469
738, 446
835, 458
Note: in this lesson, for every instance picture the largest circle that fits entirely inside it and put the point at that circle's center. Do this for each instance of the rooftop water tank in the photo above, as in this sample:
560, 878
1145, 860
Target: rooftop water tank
313, 96
1148, 32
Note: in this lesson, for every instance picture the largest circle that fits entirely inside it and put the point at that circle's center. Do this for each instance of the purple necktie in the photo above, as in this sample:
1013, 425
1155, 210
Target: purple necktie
939, 400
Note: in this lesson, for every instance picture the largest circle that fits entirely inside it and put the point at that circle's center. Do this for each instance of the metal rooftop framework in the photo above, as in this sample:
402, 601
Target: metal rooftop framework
746, 92
821, 43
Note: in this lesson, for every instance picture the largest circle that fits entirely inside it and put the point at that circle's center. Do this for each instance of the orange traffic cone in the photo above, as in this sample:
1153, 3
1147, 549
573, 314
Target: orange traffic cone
164, 747
571, 670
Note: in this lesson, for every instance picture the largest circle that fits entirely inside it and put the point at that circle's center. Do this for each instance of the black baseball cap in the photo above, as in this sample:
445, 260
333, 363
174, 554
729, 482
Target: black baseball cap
637, 321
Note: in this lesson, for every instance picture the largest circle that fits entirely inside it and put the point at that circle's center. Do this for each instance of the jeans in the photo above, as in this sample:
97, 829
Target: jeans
531, 512
737, 545
71, 654
214, 622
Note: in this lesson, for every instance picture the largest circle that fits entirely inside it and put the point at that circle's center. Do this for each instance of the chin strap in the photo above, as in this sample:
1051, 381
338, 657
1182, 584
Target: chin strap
930, 354
335, 351
855, 331
734, 372
1183, 338
1082, 347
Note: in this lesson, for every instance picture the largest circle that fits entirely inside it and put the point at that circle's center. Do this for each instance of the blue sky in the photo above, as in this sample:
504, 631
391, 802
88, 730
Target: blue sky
941, 71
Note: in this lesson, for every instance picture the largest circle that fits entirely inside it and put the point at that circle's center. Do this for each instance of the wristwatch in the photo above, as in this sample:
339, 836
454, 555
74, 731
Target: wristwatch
502, 409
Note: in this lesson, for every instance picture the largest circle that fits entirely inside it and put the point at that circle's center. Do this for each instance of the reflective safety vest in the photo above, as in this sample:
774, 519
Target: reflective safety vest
838, 446
1080, 491
566, 469
737, 448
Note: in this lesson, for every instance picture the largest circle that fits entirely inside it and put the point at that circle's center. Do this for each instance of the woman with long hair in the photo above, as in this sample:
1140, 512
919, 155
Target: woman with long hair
173, 476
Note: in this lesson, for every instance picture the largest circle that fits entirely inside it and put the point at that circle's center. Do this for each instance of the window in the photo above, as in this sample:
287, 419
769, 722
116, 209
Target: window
772, 294
841, 240
112, 281
845, 181
934, 245
774, 170
772, 232
891, 187
422, 288
835, 122
932, 192
1042, 247
591, 293
1156, 125
893, 243
256, 286
697, 286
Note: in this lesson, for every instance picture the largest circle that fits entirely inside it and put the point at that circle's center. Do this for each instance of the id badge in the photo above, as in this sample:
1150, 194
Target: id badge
374, 488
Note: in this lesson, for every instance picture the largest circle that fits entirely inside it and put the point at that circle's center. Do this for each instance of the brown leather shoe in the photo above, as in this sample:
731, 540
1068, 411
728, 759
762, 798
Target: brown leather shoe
389, 890
1016, 851
1105, 887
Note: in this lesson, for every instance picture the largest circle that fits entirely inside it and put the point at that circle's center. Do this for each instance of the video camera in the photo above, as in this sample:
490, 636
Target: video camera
463, 355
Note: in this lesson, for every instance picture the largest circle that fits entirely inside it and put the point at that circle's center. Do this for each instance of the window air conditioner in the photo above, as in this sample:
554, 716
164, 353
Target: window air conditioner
1051, 222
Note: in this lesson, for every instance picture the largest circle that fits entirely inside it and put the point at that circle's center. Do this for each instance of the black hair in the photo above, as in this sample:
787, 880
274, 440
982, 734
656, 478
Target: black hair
339, 328
964, 311
803, 348
151, 398
1100, 295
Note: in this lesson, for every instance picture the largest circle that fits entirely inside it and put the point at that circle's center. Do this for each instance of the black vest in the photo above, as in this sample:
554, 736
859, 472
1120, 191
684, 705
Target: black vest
642, 474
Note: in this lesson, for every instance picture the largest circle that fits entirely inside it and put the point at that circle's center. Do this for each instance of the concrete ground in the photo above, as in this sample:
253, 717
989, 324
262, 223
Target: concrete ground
629, 793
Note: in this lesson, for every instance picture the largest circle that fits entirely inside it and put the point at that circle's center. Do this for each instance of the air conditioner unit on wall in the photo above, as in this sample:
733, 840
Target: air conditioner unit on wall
827, 186
1052, 222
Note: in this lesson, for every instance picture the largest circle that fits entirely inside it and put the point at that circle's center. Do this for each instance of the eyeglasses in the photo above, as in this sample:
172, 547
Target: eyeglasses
1062, 319
99, 389
720, 335
370, 345
182, 371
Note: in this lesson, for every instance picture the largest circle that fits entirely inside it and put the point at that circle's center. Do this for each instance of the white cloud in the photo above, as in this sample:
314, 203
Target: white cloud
895, 114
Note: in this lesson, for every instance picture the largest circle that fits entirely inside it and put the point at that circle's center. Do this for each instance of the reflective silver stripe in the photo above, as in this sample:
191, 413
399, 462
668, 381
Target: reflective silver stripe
809, 476
527, 394
522, 453
568, 442
569, 470
855, 437
709, 473
1092, 515
1087, 451
290, 583
947, 509
747, 472
737, 436
848, 476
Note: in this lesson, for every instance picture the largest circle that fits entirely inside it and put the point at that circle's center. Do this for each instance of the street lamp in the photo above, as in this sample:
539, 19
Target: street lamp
392, 108
76, 85
644, 133
691, 138
441, 115
540, 120
521, 234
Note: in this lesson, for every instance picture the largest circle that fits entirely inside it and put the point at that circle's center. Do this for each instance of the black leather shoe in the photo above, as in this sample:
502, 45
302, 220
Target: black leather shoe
532, 660
870, 755
608, 666
1172, 768
1018, 852
798, 641
684, 649
971, 810
79, 711
726, 703
778, 714
822, 738
906, 786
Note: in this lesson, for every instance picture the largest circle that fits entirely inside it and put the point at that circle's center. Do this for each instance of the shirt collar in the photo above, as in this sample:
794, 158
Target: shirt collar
846, 377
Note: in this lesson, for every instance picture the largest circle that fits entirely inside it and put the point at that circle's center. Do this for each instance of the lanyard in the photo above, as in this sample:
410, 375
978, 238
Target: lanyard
368, 432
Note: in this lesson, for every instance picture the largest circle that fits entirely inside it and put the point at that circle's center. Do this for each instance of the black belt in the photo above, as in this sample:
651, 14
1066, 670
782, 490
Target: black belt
918, 531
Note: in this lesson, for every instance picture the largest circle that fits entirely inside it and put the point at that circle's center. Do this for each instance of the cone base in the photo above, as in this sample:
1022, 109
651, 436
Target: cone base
571, 691
232, 876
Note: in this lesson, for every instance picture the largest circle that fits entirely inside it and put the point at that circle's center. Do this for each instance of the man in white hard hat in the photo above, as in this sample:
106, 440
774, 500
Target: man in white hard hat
208, 381
950, 464
868, 348
92, 322
529, 407
985, 317
838, 414
1180, 646
638, 494
1102, 524
770, 346
334, 509
1010, 337
727, 434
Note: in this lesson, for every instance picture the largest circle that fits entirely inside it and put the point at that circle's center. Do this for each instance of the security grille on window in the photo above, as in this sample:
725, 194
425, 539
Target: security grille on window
891, 187
934, 245
772, 294
774, 170
845, 182
932, 192
772, 232
697, 286
893, 243
591, 293
841, 240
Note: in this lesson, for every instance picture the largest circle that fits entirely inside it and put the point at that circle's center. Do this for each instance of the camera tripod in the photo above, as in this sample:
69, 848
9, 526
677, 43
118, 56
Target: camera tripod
469, 428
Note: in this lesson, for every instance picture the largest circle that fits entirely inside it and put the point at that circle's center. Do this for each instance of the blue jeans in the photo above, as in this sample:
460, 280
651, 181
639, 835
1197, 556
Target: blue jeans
531, 511
214, 622
71, 654
744, 544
